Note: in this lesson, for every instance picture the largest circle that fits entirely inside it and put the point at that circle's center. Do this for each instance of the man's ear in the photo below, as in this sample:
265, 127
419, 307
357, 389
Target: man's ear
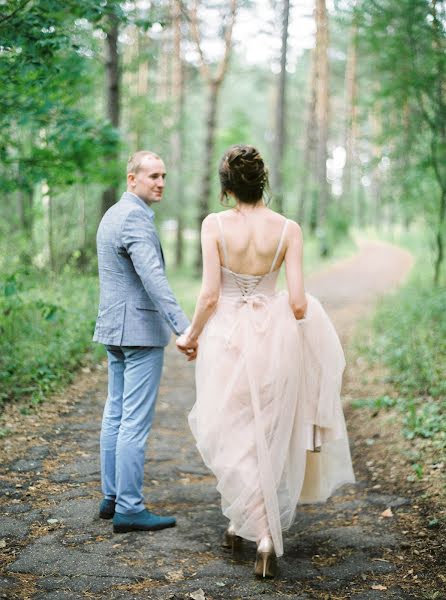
131, 179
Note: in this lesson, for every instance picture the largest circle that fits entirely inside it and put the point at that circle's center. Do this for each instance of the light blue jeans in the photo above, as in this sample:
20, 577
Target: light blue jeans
134, 375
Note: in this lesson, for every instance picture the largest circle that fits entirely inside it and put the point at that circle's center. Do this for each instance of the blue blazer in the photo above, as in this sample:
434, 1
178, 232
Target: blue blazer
136, 305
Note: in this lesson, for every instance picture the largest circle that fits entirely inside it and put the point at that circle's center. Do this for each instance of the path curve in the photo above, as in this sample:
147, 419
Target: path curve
56, 547
351, 287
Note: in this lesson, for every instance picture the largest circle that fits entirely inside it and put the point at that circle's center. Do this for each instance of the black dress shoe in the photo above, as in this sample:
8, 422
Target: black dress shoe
107, 509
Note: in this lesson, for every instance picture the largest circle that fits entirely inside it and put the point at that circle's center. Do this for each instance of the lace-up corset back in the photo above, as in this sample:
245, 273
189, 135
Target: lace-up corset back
236, 285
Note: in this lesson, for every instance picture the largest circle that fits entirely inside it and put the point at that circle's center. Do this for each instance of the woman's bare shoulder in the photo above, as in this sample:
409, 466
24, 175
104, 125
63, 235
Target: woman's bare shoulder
294, 232
294, 226
209, 224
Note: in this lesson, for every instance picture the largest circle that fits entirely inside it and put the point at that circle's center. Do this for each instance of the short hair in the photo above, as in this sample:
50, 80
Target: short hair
134, 163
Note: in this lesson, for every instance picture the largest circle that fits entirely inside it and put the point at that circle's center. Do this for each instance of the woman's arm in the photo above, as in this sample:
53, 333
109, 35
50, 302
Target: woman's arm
210, 285
294, 270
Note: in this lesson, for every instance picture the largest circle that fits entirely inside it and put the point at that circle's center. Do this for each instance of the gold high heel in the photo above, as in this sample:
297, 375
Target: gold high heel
266, 562
231, 539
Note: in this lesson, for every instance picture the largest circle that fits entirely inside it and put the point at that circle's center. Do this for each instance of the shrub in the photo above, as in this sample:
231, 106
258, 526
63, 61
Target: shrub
410, 338
46, 326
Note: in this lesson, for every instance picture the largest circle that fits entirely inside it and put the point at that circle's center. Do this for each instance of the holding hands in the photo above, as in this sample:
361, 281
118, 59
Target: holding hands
187, 345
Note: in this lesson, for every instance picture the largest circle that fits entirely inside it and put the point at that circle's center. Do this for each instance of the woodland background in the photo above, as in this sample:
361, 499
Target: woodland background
346, 100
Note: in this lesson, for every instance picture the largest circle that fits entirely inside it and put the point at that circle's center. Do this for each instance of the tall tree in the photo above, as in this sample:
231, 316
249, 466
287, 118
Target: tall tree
437, 122
113, 104
322, 109
279, 133
177, 135
351, 109
214, 82
308, 162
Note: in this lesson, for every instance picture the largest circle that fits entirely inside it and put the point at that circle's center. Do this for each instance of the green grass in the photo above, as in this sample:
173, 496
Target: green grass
409, 337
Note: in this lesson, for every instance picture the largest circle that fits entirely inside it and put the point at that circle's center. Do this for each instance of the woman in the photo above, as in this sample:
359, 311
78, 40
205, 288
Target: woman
268, 419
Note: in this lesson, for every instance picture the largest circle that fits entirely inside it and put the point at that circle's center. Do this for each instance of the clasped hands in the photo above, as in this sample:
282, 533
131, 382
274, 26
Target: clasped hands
187, 345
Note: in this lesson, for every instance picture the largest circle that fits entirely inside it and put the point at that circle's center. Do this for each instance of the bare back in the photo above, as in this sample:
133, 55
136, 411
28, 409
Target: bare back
252, 239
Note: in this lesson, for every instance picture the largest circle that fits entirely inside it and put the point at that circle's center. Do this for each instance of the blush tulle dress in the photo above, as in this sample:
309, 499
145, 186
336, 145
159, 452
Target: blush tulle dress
268, 419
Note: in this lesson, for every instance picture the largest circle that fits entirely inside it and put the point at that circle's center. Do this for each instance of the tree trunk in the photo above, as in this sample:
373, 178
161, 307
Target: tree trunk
109, 196
322, 109
179, 242
25, 198
310, 144
438, 145
142, 87
214, 82
177, 135
361, 202
211, 121
375, 187
83, 255
26, 211
51, 251
27, 221
279, 138
439, 237
351, 111
163, 67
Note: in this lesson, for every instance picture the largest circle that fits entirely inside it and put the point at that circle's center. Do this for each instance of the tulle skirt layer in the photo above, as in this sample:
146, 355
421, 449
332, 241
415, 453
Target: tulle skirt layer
268, 395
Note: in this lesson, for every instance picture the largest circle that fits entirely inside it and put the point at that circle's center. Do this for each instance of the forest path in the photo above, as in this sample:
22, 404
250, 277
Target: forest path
56, 548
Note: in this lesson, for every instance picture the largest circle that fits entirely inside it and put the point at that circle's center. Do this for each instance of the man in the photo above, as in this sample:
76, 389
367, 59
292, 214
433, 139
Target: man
137, 312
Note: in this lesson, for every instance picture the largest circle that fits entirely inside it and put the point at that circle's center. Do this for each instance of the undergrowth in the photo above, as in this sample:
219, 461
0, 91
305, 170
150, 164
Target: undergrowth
46, 326
409, 338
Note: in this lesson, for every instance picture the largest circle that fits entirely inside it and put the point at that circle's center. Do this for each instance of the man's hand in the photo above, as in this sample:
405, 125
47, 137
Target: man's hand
187, 346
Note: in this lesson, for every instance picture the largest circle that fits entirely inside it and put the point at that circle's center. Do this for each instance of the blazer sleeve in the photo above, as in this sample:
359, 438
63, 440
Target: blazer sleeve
140, 240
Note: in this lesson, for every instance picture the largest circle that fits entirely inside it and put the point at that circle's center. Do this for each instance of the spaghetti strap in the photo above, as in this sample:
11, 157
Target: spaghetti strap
222, 239
279, 247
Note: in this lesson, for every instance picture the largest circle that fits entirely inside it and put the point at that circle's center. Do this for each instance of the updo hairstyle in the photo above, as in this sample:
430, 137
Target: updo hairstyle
243, 172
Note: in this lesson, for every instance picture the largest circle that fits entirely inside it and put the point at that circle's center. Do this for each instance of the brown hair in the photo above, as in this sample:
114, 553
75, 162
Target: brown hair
134, 163
243, 172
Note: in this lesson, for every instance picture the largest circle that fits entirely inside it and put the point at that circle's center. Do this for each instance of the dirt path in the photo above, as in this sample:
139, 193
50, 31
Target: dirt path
55, 547
350, 288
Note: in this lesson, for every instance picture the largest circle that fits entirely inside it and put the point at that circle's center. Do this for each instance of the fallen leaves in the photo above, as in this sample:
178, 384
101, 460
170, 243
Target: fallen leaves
174, 576
387, 513
379, 587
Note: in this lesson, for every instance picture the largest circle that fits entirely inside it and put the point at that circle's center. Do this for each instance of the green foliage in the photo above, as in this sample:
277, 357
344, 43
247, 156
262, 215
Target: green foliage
403, 47
46, 325
335, 232
410, 337
375, 403
418, 470
46, 71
